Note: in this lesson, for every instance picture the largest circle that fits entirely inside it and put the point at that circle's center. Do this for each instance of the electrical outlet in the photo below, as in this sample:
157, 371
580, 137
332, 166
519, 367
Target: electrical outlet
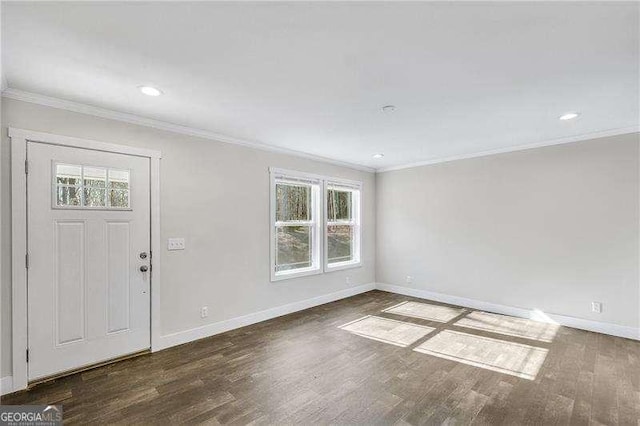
596, 307
204, 312
175, 244
409, 279
348, 280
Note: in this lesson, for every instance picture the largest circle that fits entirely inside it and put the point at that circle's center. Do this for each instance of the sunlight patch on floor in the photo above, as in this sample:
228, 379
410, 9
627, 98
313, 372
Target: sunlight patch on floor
387, 330
510, 326
516, 359
425, 311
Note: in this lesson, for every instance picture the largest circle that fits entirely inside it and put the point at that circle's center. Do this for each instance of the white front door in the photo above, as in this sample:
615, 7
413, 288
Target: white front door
88, 245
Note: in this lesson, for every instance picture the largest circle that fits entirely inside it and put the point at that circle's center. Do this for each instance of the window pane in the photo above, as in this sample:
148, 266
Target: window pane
119, 179
89, 186
340, 243
293, 202
119, 198
68, 175
95, 177
339, 205
293, 247
95, 197
68, 196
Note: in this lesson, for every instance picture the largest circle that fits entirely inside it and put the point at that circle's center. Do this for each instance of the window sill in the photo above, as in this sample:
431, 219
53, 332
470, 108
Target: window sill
296, 274
342, 266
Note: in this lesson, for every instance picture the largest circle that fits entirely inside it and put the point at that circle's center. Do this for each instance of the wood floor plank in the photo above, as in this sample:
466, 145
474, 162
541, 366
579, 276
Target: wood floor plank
304, 369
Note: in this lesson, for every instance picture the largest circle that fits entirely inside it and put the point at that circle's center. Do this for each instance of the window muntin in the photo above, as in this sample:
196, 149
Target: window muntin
343, 225
80, 186
296, 233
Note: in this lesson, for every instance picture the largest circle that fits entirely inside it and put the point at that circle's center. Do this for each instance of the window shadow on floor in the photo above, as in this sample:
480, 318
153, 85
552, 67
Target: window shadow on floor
476, 338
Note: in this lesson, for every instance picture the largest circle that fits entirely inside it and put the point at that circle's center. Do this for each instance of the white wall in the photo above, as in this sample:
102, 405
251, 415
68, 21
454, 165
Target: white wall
216, 195
551, 228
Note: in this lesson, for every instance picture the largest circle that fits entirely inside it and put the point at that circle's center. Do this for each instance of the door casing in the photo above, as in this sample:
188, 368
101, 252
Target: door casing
19, 301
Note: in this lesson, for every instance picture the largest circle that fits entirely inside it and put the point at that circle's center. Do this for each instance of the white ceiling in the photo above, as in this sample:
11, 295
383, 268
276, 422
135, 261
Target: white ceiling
312, 77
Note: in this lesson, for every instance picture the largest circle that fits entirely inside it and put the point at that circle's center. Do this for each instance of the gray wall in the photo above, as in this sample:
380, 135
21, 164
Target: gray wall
550, 228
216, 195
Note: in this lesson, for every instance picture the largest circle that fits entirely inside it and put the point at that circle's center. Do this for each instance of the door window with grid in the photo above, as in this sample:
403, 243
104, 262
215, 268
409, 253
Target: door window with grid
78, 186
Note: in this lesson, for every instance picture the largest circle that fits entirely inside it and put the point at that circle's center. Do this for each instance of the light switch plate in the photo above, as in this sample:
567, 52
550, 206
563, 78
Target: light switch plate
175, 244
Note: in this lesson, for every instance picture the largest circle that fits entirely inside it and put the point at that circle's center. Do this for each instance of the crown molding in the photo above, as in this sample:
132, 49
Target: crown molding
72, 106
550, 142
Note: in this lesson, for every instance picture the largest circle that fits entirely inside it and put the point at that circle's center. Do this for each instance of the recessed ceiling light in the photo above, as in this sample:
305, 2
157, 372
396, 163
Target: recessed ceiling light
388, 108
569, 116
150, 90
378, 155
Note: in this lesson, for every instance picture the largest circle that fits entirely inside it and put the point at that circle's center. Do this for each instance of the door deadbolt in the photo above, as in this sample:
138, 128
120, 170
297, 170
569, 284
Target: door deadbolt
143, 255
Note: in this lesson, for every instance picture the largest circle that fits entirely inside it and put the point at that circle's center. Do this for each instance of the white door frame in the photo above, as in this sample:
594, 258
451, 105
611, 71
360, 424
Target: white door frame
19, 312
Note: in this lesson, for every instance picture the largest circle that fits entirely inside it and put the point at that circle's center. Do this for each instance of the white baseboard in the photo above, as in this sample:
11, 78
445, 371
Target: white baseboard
208, 330
6, 385
174, 339
583, 324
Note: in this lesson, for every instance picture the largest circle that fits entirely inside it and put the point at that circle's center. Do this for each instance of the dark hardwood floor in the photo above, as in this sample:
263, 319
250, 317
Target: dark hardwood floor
303, 369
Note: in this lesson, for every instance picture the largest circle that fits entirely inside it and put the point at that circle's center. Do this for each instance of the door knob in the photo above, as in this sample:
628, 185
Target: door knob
144, 268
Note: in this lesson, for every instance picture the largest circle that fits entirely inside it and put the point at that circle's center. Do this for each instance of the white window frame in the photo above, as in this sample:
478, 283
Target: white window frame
356, 199
319, 223
316, 222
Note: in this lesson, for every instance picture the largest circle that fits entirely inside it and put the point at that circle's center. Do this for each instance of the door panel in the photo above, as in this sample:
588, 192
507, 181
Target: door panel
69, 281
88, 220
118, 283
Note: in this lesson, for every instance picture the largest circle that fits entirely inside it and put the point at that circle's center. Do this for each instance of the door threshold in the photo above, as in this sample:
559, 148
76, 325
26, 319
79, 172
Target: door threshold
66, 373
